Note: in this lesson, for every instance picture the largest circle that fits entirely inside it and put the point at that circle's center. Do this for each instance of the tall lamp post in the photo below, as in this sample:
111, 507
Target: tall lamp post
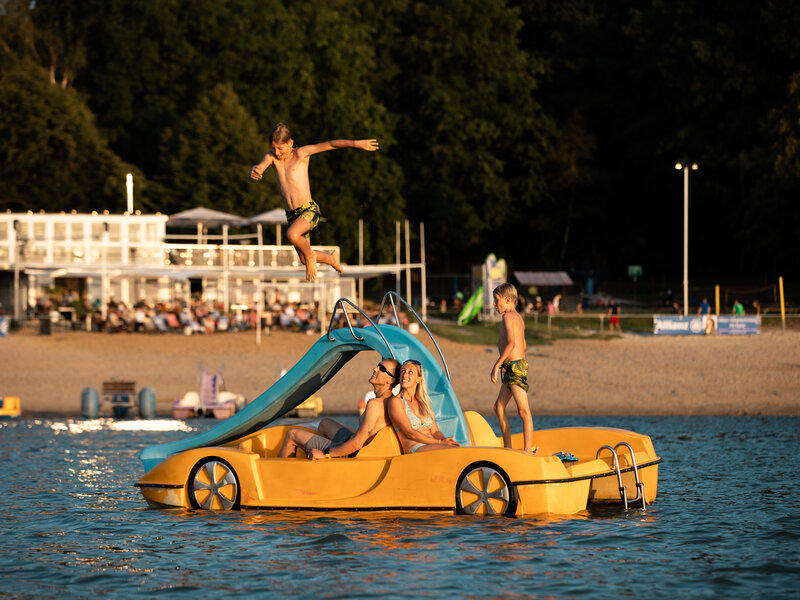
685, 168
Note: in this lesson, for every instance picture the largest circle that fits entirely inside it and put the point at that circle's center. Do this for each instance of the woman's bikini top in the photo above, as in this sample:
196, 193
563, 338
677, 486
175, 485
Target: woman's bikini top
413, 419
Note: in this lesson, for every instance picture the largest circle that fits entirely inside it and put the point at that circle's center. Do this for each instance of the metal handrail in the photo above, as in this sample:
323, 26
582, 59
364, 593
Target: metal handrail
390, 296
623, 493
340, 302
639, 484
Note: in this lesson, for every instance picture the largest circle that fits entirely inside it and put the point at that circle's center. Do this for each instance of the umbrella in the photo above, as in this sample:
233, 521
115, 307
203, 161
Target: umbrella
204, 216
276, 216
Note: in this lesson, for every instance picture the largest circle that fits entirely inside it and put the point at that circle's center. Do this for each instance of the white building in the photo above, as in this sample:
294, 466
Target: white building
128, 257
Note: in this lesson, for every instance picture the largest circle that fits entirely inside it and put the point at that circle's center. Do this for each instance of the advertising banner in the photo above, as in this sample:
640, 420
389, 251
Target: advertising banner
3, 326
678, 325
746, 325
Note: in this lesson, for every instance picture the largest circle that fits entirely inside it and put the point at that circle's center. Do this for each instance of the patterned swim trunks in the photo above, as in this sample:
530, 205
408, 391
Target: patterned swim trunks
309, 211
515, 372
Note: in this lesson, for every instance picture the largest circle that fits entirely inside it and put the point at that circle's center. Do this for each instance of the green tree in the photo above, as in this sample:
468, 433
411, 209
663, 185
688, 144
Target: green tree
52, 155
208, 156
471, 134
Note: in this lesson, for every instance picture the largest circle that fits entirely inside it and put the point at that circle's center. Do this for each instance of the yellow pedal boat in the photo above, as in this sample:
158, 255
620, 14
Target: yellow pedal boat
235, 464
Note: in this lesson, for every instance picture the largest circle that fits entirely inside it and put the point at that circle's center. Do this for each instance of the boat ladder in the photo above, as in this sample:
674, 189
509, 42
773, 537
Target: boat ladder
623, 492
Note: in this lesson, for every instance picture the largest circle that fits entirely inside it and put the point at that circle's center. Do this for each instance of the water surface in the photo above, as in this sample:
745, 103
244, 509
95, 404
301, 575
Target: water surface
726, 523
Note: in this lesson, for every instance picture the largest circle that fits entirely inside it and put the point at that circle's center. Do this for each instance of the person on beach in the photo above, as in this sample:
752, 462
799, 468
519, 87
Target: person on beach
513, 365
412, 415
613, 316
334, 440
291, 171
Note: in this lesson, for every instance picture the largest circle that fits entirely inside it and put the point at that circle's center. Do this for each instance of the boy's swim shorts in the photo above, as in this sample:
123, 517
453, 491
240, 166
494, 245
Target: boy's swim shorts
515, 372
309, 211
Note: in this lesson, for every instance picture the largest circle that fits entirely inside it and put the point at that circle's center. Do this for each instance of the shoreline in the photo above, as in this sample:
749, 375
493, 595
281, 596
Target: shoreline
632, 375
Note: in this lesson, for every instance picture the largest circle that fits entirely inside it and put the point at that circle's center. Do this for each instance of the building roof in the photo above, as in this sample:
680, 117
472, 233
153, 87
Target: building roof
543, 278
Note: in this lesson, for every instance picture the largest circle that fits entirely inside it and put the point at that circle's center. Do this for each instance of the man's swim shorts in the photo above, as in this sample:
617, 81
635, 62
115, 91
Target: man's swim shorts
309, 211
515, 372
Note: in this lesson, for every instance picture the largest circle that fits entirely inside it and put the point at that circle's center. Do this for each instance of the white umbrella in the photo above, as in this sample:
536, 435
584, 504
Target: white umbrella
276, 216
207, 217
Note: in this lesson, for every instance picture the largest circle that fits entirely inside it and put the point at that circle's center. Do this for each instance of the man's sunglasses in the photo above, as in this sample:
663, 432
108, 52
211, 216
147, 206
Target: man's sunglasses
385, 370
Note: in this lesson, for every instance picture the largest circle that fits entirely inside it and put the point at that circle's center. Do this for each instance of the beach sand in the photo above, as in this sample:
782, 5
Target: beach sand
629, 375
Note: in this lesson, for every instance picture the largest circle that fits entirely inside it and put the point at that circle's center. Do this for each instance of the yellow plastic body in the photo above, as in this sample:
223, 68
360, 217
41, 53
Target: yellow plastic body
10, 408
380, 477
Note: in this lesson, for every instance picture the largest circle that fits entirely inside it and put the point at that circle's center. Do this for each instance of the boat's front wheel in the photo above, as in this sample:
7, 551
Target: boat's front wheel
213, 485
484, 489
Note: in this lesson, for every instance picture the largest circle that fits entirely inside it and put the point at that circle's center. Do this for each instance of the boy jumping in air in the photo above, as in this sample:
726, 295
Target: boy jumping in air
291, 171
512, 346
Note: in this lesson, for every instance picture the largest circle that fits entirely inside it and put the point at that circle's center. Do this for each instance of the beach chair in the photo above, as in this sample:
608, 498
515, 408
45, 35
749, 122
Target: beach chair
172, 321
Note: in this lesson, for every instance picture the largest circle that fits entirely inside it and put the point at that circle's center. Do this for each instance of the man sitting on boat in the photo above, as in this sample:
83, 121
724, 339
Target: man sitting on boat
334, 440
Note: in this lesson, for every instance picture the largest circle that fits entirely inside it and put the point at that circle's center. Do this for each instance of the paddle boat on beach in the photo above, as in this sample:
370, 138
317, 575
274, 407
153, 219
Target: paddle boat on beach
235, 464
213, 400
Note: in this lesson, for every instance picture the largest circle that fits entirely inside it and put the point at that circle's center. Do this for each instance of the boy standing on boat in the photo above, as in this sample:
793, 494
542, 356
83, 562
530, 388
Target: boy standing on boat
513, 365
291, 171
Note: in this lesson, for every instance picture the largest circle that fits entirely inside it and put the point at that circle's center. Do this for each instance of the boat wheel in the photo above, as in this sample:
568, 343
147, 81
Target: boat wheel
484, 489
213, 485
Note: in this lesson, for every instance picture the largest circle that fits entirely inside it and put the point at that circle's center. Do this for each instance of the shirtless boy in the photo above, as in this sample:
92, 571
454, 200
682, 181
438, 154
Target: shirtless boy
291, 171
334, 440
513, 365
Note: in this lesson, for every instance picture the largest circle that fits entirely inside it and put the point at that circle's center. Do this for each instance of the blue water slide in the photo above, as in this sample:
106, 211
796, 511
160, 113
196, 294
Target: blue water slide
322, 361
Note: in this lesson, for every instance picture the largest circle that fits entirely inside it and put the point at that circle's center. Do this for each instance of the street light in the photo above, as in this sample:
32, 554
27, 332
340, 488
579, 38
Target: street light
685, 168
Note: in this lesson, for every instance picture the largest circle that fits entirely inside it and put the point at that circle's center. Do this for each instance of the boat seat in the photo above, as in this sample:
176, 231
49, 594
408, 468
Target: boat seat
480, 432
384, 444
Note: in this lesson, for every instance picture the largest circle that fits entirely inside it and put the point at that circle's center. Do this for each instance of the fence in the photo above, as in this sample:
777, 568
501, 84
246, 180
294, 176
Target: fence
632, 322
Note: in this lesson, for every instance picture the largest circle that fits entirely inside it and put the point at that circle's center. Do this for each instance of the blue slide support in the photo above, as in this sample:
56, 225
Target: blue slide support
322, 361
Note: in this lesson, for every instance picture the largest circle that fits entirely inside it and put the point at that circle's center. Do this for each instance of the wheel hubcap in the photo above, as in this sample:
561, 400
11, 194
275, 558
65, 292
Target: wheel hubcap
484, 492
214, 486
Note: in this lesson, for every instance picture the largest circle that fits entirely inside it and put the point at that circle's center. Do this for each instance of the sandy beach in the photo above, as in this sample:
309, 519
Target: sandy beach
631, 375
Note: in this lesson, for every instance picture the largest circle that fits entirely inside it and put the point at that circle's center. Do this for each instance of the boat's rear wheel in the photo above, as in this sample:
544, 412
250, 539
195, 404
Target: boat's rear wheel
484, 489
213, 485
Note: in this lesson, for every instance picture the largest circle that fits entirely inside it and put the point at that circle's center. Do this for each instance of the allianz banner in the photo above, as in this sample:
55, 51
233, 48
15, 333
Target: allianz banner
746, 325
677, 325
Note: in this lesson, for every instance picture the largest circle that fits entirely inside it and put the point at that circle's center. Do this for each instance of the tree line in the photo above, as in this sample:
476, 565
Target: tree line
544, 131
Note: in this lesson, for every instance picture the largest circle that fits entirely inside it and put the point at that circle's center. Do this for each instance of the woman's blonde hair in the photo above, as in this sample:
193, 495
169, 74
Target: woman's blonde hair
422, 390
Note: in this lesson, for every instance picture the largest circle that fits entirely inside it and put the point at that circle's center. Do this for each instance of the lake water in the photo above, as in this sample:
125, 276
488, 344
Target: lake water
726, 523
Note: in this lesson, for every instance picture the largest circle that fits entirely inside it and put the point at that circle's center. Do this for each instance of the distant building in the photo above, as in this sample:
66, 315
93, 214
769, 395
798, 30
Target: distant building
128, 257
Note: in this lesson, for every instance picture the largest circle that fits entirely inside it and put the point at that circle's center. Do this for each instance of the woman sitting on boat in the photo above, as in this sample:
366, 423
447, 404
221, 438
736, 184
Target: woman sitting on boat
411, 413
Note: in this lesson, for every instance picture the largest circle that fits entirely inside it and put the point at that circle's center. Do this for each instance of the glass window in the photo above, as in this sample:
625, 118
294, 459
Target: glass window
97, 231
59, 231
39, 230
3, 230
77, 231
152, 234
114, 255
135, 233
114, 232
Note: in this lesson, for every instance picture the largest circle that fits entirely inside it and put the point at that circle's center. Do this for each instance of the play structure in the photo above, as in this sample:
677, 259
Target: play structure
235, 464
485, 278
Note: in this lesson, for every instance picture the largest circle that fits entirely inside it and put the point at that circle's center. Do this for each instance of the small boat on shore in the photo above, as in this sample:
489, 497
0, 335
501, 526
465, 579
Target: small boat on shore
10, 408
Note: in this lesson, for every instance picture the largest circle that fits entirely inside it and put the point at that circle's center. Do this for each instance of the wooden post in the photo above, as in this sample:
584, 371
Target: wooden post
783, 306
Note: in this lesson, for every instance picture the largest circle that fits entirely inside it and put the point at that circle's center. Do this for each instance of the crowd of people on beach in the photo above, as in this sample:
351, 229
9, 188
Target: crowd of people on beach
199, 317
